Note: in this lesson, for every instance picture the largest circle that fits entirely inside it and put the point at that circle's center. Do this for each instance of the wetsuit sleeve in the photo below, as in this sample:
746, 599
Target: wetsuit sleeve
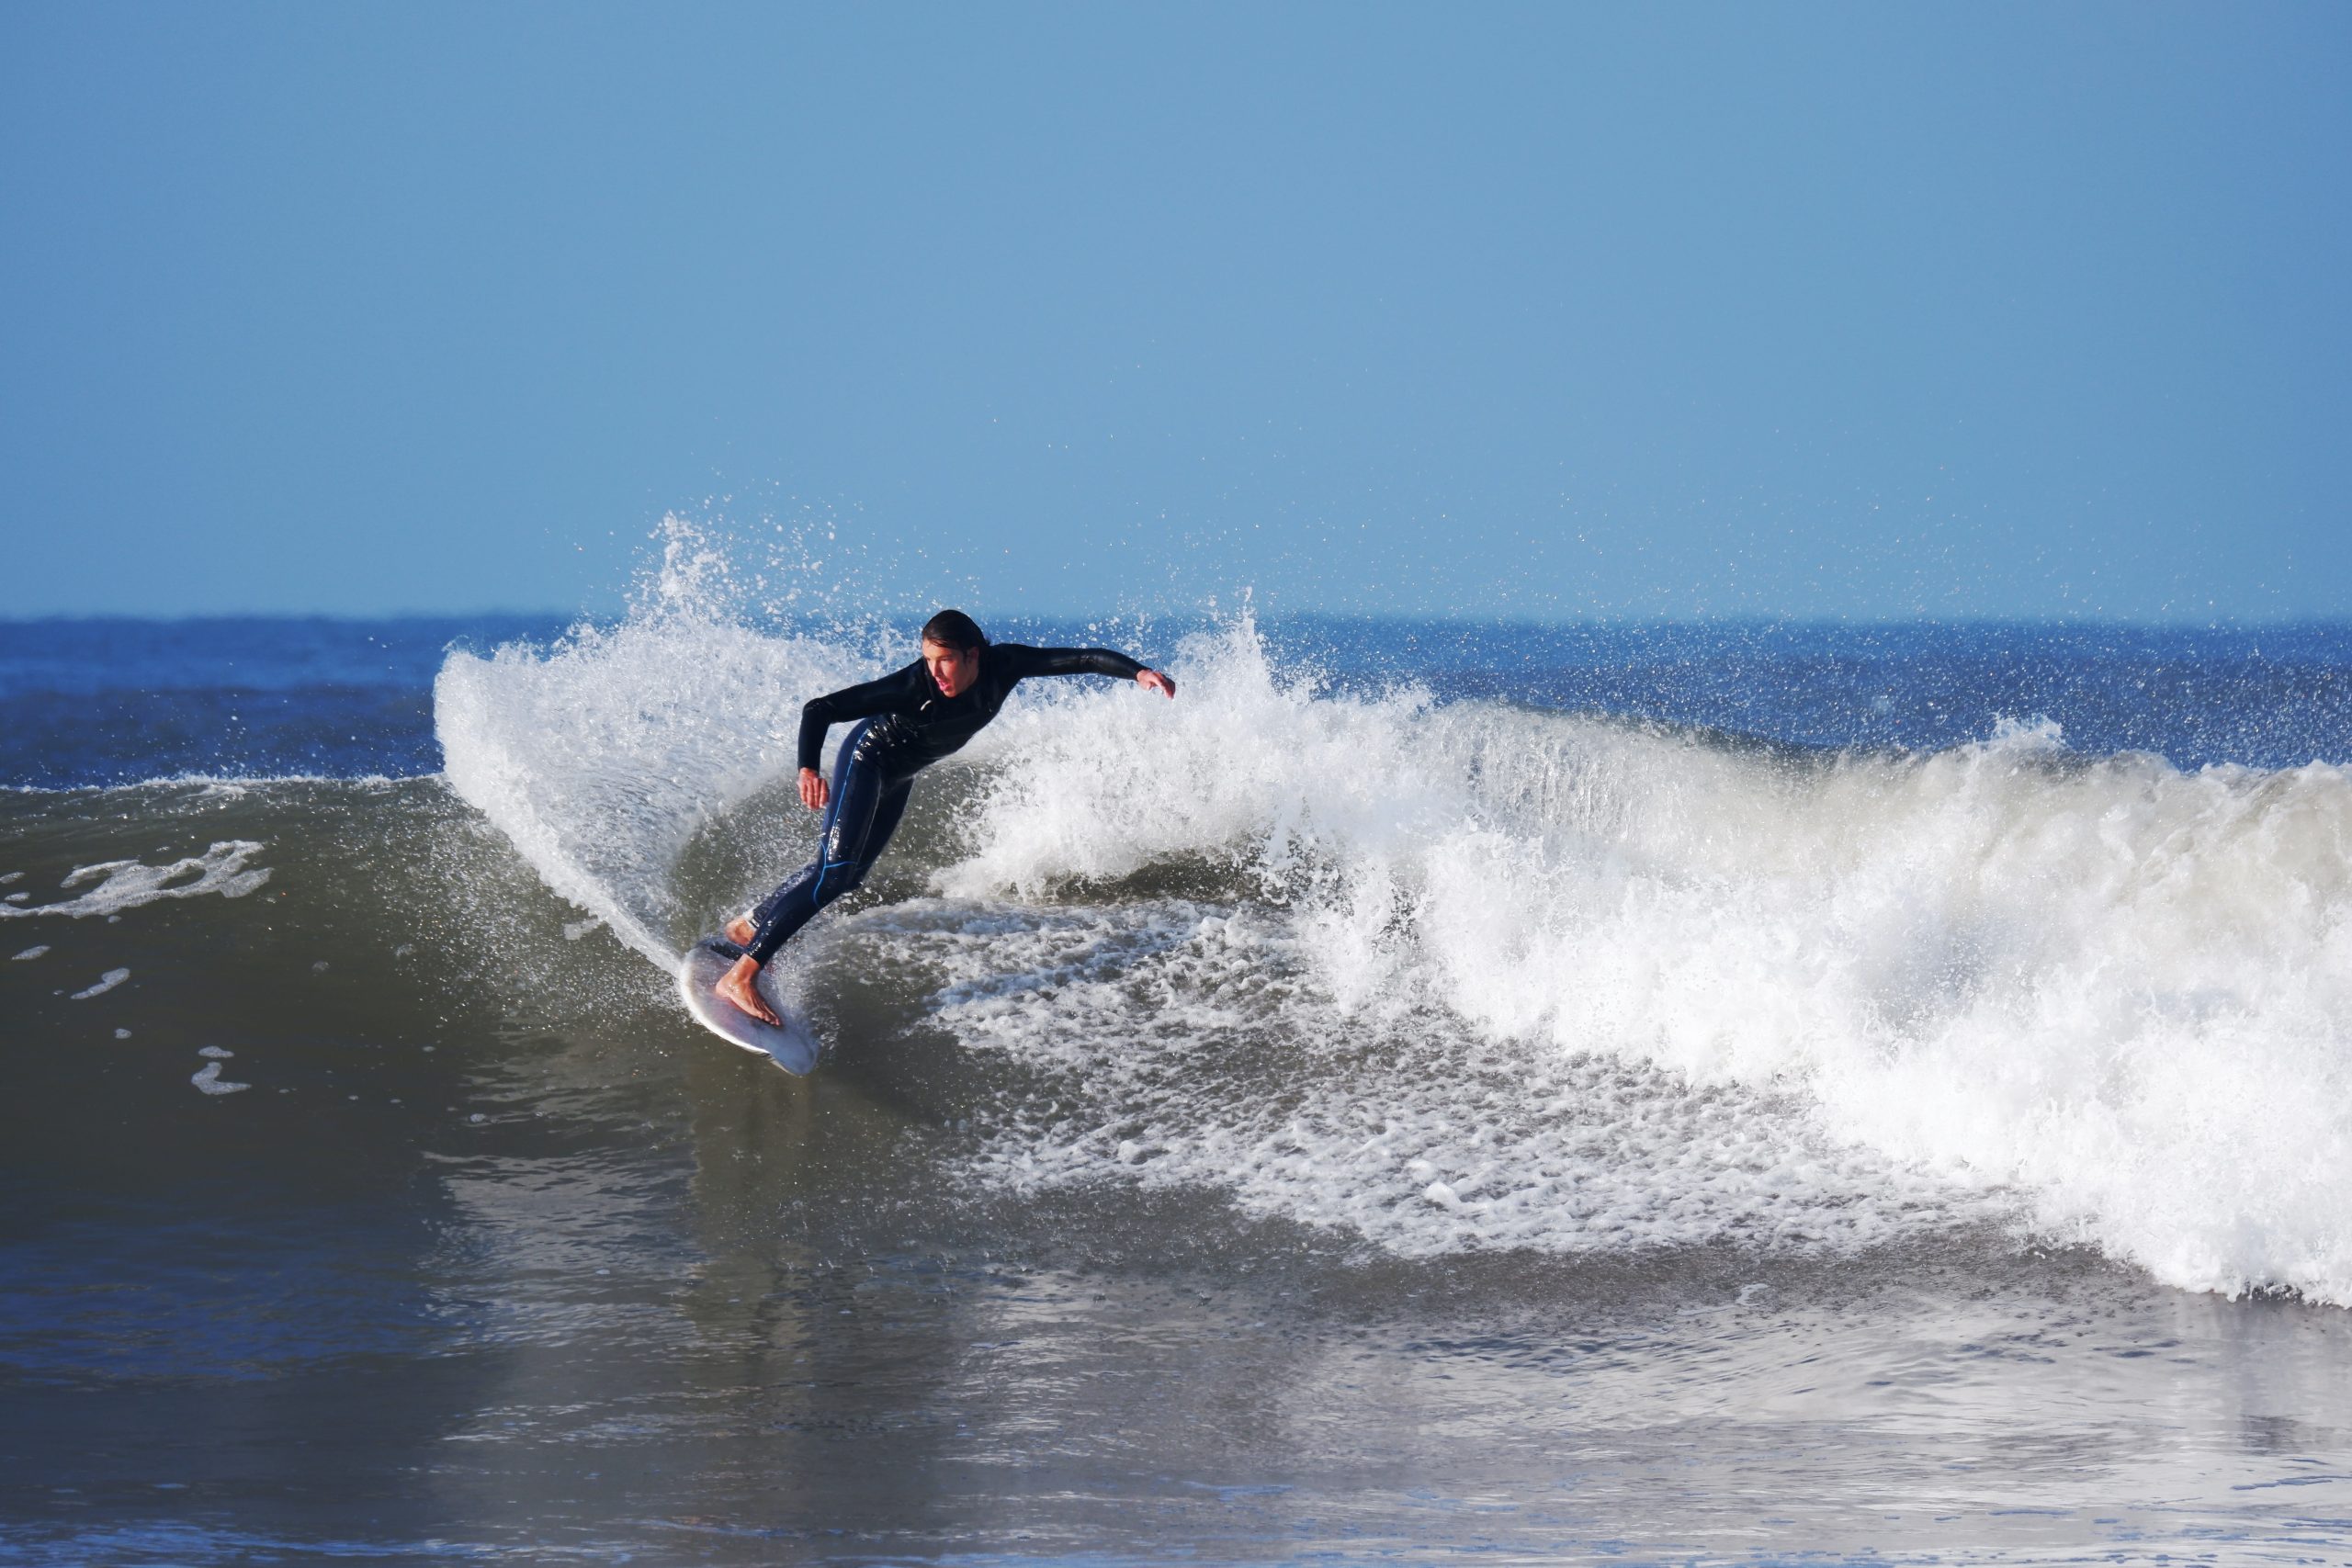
891, 694
1022, 661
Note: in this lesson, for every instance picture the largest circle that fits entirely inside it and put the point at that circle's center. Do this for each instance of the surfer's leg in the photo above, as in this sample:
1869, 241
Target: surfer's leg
867, 803
878, 832
744, 931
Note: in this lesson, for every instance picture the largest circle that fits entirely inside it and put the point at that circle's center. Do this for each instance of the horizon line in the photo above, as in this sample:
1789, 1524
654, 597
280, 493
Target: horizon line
573, 617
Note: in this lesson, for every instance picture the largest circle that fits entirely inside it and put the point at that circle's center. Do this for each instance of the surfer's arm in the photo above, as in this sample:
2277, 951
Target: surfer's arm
891, 694
1026, 662
894, 693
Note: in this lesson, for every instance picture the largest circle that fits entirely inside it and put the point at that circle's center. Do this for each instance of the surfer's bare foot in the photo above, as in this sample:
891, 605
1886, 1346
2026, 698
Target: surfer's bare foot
739, 931
739, 986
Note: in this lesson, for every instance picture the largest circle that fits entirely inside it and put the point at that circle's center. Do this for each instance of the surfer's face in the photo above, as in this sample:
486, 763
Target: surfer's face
951, 671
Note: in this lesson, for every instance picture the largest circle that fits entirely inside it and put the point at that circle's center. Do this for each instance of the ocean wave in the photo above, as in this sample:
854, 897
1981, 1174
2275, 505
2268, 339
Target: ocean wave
1471, 975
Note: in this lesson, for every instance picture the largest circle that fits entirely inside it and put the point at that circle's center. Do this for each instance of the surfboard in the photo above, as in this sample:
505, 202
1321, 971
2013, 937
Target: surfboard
792, 1047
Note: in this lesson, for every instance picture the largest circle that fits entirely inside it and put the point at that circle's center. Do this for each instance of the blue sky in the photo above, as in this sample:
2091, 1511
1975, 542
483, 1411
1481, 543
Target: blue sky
1551, 312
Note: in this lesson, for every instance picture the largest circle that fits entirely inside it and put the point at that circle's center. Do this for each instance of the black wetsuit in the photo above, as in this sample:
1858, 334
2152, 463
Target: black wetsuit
908, 726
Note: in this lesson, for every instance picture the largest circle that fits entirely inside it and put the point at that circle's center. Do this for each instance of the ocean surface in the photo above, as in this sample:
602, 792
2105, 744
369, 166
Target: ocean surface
1639, 1094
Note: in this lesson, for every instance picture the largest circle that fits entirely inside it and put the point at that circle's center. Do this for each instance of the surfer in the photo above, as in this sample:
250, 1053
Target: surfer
909, 720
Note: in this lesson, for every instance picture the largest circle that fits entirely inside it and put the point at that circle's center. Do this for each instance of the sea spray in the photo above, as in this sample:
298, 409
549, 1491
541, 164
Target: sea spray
601, 757
602, 753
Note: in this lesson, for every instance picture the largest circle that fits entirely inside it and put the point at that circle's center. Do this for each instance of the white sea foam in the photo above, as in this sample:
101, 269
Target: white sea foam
106, 982
207, 1081
1191, 1048
1492, 976
128, 884
32, 951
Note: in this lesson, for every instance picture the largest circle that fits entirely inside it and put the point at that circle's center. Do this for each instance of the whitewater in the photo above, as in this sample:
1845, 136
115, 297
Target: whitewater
1465, 974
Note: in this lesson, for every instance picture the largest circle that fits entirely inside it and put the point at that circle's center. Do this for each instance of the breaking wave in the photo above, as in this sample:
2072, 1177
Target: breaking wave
1468, 975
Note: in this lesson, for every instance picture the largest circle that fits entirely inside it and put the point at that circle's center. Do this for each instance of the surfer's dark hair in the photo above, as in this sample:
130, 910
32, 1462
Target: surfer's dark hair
955, 630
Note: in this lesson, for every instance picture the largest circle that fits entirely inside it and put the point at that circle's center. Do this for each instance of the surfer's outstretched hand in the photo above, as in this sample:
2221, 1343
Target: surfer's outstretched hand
813, 792
1153, 681
739, 985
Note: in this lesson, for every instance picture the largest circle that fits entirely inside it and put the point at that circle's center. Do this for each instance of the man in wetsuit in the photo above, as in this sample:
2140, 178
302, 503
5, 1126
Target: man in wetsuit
910, 719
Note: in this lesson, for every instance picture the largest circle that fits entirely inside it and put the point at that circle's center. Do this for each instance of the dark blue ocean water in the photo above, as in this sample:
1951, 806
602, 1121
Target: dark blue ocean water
106, 701
113, 701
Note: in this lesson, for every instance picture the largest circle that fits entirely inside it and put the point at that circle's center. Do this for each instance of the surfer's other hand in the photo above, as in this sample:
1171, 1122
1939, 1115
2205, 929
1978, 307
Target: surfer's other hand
1153, 681
813, 793
741, 987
